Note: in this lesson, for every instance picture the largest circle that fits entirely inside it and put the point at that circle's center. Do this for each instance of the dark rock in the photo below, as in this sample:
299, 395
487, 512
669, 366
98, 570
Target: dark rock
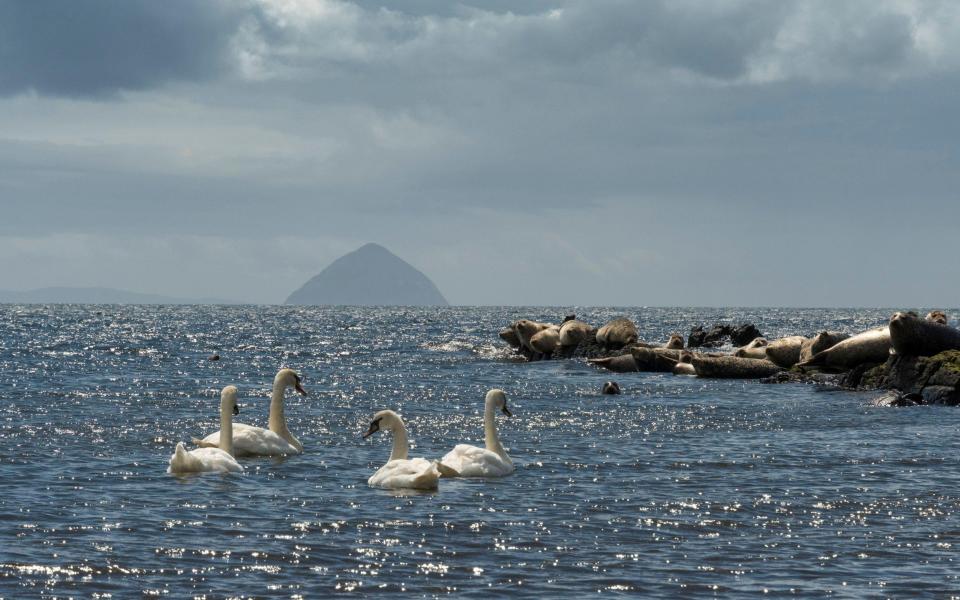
744, 334
941, 394
935, 379
739, 335
799, 376
854, 378
696, 337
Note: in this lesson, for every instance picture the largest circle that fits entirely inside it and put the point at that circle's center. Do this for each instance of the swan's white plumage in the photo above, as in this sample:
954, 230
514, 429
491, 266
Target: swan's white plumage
202, 460
471, 461
277, 440
491, 461
253, 441
211, 460
407, 473
401, 472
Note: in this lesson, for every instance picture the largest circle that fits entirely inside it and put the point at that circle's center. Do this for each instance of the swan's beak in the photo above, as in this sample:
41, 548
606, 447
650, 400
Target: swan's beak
300, 389
236, 410
506, 411
374, 427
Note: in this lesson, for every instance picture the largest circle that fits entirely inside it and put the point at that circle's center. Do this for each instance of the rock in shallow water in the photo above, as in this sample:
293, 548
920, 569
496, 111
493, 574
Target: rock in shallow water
739, 335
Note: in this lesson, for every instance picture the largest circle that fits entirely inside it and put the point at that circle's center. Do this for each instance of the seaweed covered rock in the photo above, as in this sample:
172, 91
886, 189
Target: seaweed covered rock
935, 378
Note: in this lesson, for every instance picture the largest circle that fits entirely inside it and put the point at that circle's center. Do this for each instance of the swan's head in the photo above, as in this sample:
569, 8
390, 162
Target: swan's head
499, 400
289, 378
384, 420
228, 399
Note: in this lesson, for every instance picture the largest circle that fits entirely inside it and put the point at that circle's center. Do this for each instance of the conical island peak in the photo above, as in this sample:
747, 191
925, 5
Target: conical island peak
371, 275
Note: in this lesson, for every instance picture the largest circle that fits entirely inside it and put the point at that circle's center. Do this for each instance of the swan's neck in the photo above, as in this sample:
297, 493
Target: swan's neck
400, 445
278, 419
491, 438
226, 429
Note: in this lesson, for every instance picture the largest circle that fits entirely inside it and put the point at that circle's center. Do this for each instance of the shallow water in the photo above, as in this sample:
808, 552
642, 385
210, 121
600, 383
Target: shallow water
679, 486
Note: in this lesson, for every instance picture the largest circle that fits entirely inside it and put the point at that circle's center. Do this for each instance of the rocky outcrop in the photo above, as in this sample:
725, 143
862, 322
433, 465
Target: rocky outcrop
739, 335
935, 379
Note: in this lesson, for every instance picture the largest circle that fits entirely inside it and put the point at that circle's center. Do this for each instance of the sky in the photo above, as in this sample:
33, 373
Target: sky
549, 152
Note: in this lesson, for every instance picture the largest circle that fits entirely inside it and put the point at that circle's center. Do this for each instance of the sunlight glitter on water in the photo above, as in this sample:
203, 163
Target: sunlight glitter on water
679, 486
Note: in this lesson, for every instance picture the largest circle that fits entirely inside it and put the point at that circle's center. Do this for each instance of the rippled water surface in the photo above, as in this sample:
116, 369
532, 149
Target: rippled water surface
679, 486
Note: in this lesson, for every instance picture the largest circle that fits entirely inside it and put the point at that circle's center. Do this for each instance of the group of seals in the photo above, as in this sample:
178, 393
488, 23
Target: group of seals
871, 346
912, 336
755, 349
829, 351
538, 340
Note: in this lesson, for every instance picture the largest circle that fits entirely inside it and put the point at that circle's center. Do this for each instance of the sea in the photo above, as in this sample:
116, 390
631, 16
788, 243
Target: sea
678, 487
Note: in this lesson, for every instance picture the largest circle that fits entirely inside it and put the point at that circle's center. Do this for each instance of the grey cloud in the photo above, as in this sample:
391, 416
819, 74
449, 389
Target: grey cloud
100, 47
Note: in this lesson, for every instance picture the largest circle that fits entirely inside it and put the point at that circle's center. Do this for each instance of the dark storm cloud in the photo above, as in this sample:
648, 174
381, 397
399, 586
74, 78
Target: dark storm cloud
100, 47
770, 134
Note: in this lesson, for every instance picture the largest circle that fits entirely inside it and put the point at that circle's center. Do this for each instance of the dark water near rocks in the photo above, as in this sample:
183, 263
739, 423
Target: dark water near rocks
679, 487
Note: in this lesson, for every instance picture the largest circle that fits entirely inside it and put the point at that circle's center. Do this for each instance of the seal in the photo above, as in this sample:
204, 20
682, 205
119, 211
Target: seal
618, 364
820, 342
937, 316
574, 332
526, 329
898, 399
732, 367
546, 341
913, 336
617, 334
755, 349
870, 347
655, 360
509, 335
611, 387
785, 352
675, 342
684, 365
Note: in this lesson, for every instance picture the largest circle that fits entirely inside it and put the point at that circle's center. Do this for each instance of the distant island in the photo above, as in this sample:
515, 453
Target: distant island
95, 295
369, 276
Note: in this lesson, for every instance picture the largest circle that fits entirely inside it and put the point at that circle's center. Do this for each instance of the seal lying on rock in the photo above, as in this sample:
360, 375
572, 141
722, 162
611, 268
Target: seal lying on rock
871, 346
526, 329
785, 352
675, 342
509, 335
757, 348
546, 341
655, 360
618, 364
573, 332
820, 342
617, 334
937, 316
684, 366
732, 367
912, 336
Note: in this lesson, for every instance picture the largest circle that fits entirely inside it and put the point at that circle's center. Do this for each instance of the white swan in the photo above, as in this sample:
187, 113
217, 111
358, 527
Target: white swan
206, 460
491, 461
402, 472
257, 441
